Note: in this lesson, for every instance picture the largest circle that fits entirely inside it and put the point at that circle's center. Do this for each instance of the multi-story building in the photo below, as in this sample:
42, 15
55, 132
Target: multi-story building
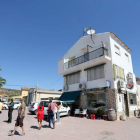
97, 71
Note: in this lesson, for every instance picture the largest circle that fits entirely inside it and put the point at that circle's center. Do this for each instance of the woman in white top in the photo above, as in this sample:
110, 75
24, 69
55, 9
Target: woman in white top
58, 112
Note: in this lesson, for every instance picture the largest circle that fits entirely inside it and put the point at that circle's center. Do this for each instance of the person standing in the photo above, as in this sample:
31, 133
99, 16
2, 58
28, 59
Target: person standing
58, 111
20, 117
51, 111
10, 110
55, 111
1, 106
40, 115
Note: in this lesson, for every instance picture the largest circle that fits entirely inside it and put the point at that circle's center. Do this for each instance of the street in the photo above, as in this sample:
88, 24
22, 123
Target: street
71, 128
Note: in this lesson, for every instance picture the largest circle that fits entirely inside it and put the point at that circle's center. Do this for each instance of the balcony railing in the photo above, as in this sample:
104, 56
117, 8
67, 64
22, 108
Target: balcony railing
86, 57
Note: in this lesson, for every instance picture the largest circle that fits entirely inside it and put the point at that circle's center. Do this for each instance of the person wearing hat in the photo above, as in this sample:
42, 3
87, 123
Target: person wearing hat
10, 110
20, 117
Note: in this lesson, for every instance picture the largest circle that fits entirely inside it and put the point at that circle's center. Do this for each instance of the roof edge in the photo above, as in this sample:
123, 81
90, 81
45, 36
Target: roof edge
121, 41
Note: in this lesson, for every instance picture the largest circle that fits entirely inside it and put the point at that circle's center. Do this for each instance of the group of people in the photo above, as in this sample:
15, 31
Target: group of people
51, 113
21, 114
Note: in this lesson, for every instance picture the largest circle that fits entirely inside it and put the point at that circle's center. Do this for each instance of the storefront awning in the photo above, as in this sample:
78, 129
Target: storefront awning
69, 96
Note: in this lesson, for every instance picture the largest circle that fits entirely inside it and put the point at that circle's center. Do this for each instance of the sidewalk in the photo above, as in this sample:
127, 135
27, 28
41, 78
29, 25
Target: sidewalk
71, 128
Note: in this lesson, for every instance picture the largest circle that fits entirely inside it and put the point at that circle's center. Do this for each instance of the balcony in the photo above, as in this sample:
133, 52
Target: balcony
86, 57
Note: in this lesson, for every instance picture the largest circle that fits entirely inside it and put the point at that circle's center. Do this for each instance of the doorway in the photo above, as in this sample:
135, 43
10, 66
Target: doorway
126, 105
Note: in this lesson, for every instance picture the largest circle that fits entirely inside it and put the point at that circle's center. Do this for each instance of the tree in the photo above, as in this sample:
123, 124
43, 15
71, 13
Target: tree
2, 81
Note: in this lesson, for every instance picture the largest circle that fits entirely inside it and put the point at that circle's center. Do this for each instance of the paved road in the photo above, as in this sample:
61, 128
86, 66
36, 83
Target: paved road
72, 128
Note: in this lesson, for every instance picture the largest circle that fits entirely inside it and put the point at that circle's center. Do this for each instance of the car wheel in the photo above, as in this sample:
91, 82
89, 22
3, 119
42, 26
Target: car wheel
69, 113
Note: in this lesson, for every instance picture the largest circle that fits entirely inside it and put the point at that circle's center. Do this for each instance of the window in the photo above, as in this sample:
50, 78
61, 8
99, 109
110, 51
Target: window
132, 99
118, 72
127, 58
64, 105
95, 73
32, 104
72, 61
72, 79
96, 100
45, 104
117, 50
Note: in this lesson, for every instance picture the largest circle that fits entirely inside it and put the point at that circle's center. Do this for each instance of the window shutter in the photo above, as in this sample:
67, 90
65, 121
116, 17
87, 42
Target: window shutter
114, 71
121, 73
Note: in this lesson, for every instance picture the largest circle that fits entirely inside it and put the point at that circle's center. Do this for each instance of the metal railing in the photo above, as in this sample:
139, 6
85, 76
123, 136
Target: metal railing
86, 57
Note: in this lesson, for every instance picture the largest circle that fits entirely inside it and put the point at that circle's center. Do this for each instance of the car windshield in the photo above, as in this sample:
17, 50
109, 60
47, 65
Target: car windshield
45, 103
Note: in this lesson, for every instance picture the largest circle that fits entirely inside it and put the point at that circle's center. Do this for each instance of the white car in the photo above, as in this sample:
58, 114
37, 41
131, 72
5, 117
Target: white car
5, 106
64, 110
16, 105
33, 107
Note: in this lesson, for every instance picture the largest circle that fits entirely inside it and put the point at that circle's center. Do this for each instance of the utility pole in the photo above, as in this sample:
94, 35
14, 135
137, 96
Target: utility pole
36, 90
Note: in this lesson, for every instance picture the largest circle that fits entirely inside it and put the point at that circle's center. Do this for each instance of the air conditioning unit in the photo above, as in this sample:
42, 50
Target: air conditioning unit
121, 84
66, 87
82, 86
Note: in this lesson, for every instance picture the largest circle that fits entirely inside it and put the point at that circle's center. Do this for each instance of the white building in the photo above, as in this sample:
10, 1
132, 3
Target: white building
91, 65
42, 94
138, 91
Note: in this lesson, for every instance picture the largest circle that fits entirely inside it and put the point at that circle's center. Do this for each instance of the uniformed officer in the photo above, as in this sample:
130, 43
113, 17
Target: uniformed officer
10, 106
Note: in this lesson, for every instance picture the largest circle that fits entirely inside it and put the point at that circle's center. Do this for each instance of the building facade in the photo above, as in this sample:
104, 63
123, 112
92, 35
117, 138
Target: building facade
42, 94
4, 97
24, 94
138, 91
97, 71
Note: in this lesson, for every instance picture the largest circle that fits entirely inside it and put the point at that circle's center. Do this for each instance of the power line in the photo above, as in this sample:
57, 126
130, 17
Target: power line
19, 85
55, 82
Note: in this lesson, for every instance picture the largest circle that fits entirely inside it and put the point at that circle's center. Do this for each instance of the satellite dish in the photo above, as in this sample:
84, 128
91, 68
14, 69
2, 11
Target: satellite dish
90, 32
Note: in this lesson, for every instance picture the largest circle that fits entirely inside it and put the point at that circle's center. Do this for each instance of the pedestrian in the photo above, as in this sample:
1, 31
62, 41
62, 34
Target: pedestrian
55, 111
51, 111
10, 110
58, 111
40, 115
20, 117
1, 106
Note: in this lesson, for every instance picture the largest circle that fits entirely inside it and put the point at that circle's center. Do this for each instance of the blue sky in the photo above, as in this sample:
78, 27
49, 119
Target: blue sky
34, 34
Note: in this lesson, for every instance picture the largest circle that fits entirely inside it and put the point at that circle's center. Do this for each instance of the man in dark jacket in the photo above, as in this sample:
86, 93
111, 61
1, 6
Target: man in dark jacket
10, 110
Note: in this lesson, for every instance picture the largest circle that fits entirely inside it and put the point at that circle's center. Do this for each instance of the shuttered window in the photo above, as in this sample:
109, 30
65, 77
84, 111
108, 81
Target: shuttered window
72, 61
132, 99
72, 79
117, 50
118, 72
95, 73
126, 57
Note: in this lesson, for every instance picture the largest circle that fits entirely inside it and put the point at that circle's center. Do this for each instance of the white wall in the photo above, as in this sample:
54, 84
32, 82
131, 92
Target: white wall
76, 51
121, 61
138, 91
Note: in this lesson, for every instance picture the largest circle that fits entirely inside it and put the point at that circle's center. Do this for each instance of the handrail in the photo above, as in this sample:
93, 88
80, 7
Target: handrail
86, 57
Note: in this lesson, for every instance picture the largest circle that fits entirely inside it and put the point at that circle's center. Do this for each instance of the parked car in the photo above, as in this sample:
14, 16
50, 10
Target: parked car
64, 110
5, 106
16, 105
33, 107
